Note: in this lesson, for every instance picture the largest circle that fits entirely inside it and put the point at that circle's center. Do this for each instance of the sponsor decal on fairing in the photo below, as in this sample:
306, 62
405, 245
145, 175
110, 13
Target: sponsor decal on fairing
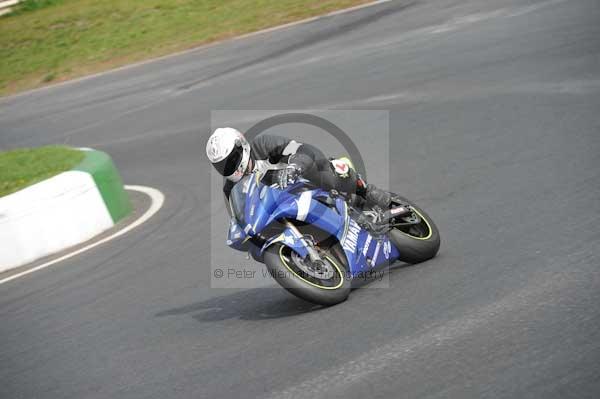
351, 238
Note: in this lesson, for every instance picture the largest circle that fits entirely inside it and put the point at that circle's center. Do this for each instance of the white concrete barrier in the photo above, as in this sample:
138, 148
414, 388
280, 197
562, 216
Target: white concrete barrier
5, 6
49, 216
62, 211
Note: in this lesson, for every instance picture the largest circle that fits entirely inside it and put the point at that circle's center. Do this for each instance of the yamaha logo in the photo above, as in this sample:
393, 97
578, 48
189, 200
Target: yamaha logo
351, 238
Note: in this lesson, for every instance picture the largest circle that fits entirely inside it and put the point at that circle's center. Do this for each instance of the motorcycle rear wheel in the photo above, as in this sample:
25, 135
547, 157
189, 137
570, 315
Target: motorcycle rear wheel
419, 242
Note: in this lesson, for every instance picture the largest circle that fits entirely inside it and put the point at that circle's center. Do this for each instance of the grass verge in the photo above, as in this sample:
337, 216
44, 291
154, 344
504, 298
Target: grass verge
52, 40
23, 167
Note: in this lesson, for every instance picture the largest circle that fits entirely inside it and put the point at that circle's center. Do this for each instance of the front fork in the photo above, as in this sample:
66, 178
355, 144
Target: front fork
313, 254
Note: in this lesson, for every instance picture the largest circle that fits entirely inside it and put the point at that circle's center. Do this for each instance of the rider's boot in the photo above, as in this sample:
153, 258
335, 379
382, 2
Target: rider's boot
378, 197
374, 203
372, 194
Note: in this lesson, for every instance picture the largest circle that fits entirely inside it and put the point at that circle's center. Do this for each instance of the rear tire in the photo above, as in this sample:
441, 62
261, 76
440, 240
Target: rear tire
419, 243
281, 266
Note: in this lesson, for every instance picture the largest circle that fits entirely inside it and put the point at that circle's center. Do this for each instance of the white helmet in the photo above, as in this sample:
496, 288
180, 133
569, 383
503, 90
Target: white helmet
229, 152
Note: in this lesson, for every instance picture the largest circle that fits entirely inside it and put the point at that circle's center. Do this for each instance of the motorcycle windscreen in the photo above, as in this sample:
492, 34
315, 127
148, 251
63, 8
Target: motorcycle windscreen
237, 199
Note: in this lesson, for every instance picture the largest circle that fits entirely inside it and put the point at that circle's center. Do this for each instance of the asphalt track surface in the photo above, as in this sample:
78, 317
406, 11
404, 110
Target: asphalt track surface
495, 131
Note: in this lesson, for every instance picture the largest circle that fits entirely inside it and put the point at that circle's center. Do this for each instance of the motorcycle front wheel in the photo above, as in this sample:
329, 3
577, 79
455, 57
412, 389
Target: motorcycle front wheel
326, 285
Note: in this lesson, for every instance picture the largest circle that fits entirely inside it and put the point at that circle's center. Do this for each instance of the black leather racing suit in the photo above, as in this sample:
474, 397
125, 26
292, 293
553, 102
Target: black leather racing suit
315, 166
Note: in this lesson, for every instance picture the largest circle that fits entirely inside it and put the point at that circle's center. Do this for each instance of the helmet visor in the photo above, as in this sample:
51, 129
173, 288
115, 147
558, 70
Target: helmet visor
227, 166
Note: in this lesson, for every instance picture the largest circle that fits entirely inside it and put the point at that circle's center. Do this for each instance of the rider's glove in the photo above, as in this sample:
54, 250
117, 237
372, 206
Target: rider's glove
288, 175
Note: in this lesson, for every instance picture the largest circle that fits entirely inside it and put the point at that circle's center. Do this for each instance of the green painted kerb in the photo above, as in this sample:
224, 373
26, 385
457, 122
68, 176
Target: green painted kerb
107, 178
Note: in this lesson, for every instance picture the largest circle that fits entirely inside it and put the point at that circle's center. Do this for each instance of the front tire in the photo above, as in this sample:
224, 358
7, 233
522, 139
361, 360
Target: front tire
283, 265
418, 243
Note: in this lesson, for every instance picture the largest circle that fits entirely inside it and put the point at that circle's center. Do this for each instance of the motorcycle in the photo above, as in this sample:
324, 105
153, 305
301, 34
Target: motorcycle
315, 242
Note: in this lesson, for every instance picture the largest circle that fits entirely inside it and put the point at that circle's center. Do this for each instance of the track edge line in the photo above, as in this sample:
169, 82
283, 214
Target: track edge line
157, 198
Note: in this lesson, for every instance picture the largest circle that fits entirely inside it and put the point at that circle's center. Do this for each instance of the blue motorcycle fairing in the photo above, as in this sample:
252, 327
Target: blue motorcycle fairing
236, 237
265, 204
364, 251
289, 239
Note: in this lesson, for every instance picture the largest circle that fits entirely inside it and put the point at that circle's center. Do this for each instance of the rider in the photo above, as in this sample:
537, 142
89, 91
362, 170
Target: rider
233, 157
